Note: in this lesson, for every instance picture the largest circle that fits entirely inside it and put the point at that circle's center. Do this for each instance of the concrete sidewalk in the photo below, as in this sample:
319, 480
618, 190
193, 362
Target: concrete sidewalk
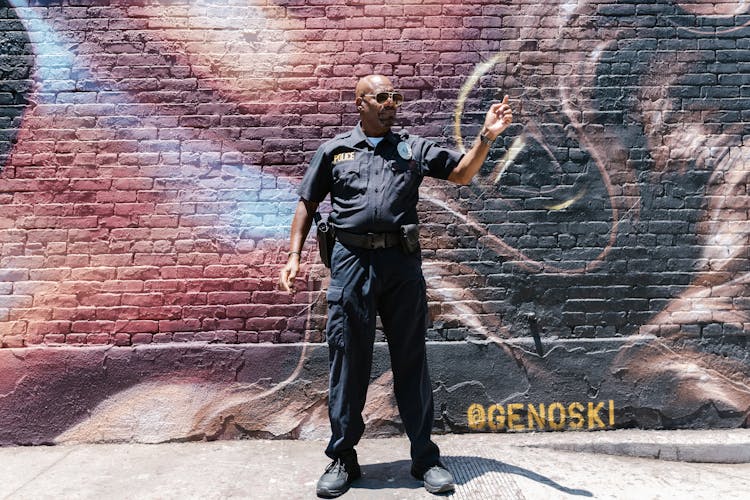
619, 464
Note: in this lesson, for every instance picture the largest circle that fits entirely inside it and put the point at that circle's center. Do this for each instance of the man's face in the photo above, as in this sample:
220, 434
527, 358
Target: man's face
377, 117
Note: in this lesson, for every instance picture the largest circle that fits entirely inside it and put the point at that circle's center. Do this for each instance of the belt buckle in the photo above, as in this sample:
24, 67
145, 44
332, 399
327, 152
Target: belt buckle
375, 242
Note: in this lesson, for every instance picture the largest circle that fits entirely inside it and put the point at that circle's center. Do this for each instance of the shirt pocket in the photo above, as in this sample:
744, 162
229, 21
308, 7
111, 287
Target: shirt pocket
405, 175
348, 178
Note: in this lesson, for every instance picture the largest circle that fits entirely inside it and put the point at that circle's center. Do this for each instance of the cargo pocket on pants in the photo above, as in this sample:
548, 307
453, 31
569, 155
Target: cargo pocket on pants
336, 317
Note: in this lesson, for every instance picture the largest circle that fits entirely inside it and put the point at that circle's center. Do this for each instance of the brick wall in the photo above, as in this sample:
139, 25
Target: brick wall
151, 152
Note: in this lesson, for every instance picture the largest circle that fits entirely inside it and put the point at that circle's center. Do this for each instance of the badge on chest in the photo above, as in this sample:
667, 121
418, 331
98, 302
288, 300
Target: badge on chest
404, 150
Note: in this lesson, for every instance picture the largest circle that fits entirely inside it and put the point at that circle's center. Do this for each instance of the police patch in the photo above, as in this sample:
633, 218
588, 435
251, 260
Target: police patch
349, 155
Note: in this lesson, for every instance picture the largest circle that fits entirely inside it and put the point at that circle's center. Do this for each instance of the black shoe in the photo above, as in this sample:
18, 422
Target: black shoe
436, 479
338, 476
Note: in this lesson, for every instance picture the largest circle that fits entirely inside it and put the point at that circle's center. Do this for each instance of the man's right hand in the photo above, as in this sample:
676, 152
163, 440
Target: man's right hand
289, 273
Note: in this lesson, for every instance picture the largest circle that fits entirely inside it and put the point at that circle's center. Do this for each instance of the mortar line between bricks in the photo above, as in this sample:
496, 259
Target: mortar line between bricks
41, 472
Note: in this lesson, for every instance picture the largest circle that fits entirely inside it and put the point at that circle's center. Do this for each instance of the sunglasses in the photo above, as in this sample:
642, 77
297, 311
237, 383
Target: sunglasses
382, 97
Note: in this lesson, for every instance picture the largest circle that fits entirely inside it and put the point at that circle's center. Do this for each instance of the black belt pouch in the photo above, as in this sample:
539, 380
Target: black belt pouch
410, 238
326, 238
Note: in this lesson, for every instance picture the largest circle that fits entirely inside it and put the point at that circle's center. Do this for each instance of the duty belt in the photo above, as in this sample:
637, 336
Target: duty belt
369, 240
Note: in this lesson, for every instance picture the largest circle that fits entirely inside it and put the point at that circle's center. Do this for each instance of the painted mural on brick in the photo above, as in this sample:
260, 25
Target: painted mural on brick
150, 154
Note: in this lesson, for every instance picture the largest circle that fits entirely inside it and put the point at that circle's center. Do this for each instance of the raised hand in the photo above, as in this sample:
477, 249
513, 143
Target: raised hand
498, 118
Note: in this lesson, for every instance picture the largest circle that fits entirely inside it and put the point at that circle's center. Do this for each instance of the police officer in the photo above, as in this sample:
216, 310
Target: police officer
373, 175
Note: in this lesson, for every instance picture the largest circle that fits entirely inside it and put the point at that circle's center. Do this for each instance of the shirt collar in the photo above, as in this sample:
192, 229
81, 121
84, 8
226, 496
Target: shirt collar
358, 136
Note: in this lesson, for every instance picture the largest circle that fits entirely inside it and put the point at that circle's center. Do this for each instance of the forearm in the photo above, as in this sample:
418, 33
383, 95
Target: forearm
303, 218
472, 161
301, 223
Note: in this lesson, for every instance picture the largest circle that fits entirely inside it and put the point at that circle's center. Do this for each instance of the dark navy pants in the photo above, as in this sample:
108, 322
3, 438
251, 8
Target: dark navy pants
363, 283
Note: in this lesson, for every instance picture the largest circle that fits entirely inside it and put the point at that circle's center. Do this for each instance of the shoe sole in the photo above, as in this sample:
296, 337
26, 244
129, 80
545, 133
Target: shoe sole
445, 488
331, 494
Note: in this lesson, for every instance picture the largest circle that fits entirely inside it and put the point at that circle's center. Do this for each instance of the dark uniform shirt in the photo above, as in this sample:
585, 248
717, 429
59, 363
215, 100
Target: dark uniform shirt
374, 189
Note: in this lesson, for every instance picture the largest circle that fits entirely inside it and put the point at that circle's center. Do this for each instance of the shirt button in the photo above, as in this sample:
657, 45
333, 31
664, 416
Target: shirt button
377, 189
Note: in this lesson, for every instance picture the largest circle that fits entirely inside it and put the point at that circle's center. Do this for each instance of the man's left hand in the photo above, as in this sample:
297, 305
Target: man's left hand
498, 118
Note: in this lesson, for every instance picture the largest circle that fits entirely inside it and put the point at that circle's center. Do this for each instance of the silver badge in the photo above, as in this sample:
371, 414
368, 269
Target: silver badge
404, 150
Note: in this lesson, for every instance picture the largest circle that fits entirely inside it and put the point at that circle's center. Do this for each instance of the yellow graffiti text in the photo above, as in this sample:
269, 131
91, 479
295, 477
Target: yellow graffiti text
540, 416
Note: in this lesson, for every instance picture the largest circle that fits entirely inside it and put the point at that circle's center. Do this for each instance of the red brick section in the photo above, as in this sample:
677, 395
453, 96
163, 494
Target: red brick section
148, 196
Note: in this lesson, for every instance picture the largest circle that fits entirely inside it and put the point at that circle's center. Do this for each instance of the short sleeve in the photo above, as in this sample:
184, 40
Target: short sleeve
437, 161
316, 183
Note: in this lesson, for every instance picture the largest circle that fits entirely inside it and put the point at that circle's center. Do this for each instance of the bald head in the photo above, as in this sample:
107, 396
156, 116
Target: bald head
371, 84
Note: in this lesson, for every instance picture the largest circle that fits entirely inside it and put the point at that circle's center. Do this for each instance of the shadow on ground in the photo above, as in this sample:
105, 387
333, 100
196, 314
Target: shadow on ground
466, 471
